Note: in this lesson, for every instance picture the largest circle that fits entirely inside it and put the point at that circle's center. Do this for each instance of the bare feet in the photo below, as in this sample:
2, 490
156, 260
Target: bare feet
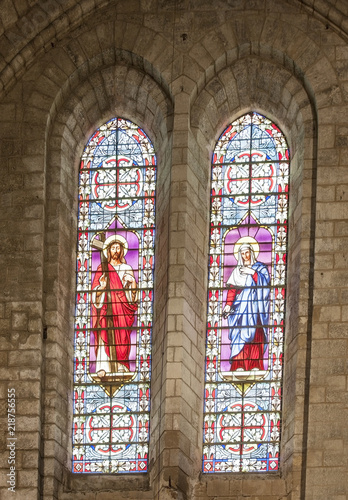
101, 373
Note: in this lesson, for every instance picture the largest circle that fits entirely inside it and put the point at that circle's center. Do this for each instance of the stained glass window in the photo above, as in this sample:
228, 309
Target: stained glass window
114, 300
246, 298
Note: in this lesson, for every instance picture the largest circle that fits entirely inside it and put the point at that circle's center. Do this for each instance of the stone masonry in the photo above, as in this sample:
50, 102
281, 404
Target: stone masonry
182, 70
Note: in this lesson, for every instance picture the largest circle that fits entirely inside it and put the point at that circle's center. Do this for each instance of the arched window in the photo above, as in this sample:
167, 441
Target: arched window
114, 300
246, 298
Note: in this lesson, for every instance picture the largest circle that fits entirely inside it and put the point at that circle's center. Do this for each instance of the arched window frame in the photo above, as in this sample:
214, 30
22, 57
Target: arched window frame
111, 412
234, 398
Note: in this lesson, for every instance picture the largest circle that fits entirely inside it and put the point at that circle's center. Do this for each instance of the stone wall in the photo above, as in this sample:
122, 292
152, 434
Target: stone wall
182, 70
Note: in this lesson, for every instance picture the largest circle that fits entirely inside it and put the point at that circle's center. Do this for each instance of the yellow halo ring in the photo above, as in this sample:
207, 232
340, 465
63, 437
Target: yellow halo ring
116, 238
246, 240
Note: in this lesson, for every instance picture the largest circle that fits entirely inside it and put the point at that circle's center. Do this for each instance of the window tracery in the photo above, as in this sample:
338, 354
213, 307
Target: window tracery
246, 298
114, 300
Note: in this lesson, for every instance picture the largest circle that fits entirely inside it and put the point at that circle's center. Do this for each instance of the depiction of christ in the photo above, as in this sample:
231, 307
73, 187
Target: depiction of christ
114, 304
247, 308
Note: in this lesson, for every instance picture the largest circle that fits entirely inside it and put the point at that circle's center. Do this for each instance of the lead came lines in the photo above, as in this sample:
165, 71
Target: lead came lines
249, 193
105, 186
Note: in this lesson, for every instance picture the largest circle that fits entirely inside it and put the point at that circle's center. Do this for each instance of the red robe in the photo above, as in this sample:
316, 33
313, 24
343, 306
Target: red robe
251, 356
123, 314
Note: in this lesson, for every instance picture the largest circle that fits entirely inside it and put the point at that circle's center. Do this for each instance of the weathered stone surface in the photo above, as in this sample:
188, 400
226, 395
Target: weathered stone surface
183, 70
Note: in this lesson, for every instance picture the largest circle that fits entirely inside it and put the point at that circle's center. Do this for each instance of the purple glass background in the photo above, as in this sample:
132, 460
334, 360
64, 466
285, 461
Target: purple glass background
132, 259
264, 239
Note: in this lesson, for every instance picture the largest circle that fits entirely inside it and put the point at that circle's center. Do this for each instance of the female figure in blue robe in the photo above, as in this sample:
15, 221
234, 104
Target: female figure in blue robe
247, 310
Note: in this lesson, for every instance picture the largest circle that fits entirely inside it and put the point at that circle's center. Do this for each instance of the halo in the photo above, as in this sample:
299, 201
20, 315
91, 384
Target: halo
113, 239
246, 240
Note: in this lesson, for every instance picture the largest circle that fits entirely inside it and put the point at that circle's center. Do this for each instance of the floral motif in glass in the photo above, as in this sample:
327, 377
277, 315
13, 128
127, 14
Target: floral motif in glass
246, 298
114, 300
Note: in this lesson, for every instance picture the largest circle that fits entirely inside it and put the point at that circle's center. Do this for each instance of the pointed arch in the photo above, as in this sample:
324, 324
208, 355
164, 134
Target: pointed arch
246, 297
114, 300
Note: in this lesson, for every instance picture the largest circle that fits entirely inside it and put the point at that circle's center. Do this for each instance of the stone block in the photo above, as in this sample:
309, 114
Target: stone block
27, 479
218, 487
25, 358
21, 494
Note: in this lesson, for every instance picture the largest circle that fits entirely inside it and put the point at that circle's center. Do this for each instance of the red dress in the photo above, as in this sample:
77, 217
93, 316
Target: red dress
251, 355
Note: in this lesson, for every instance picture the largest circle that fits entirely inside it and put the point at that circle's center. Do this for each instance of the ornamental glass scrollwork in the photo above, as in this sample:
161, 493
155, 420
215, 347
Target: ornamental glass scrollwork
114, 300
246, 298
